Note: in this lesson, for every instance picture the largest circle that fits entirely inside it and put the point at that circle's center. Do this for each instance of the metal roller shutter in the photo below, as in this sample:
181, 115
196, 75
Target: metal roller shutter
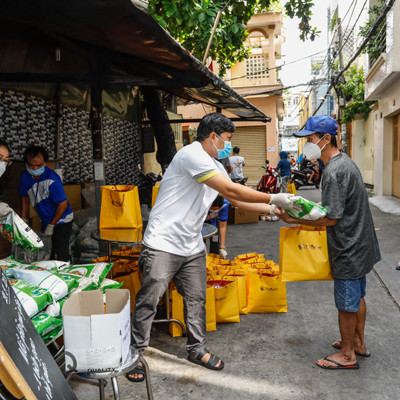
252, 143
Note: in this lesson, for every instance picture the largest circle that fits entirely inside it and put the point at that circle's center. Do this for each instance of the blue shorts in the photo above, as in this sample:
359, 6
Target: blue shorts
348, 293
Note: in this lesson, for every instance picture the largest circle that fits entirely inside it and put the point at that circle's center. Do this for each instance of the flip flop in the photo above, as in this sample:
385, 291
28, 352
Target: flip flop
137, 370
338, 365
366, 354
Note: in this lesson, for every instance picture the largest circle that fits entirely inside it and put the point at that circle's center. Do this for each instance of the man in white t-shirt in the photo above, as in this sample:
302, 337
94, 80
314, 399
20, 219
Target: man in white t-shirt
237, 163
173, 247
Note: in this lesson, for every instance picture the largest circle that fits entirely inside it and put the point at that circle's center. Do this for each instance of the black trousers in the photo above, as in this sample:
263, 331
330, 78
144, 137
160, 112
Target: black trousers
60, 242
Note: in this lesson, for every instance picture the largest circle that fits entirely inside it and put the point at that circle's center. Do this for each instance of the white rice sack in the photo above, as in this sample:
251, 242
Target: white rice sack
51, 264
59, 285
309, 209
14, 229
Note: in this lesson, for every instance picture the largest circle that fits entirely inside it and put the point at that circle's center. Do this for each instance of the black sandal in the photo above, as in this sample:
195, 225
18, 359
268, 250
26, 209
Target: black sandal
137, 370
210, 364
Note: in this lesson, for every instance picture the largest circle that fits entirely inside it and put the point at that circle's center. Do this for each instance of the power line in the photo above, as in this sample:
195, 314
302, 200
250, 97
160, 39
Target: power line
270, 69
371, 32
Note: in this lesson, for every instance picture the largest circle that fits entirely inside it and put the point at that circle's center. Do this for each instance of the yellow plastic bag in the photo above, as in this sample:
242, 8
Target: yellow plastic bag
291, 188
303, 254
120, 207
226, 300
266, 293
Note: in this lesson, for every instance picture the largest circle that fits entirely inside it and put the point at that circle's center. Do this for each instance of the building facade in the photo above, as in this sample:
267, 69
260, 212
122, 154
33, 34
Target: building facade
256, 79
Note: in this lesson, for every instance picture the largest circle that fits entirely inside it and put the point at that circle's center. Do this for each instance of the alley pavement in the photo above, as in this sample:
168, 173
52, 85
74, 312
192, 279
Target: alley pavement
272, 356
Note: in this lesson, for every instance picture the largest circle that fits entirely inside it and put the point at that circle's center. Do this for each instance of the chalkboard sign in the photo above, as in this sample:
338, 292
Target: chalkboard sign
27, 367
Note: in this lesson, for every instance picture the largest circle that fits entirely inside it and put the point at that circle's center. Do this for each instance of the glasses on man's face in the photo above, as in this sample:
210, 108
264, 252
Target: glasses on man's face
8, 162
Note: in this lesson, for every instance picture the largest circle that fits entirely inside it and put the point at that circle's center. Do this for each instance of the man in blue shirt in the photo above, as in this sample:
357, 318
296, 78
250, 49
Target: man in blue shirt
284, 167
43, 188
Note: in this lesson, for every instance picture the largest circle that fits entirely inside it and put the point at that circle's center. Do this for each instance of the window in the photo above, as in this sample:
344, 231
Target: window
257, 66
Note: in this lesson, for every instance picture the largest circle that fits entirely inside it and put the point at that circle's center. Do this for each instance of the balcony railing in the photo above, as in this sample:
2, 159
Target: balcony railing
377, 45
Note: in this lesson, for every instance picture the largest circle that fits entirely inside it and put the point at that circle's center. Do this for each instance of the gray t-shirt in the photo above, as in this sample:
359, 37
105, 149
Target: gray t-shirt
352, 244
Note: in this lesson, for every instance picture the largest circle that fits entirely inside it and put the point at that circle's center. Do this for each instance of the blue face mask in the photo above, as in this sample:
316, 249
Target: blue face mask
226, 151
36, 172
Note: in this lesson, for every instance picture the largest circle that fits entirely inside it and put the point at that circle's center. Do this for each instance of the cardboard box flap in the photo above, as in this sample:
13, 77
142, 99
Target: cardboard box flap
116, 300
84, 304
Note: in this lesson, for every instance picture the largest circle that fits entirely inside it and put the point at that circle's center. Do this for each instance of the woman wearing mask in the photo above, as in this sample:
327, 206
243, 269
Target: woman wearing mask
4, 163
43, 187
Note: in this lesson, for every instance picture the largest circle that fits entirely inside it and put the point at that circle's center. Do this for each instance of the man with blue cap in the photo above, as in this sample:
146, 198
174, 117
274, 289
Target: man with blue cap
352, 245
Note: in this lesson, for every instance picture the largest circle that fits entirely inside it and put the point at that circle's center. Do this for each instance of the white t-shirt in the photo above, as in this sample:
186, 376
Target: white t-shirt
176, 220
237, 163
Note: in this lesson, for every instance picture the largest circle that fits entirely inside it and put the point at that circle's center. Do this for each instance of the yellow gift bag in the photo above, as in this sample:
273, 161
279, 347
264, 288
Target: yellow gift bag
226, 299
210, 309
154, 194
131, 281
240, 276
291, 188
177, 311
303, 254
266, 293
120, 207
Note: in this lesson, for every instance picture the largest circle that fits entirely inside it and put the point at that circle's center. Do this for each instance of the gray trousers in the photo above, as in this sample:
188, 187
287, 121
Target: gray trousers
285, 180
190, 278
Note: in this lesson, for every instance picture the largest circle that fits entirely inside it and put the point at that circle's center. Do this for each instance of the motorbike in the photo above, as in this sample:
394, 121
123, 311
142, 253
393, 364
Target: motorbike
301, 176
242, 181
271, 182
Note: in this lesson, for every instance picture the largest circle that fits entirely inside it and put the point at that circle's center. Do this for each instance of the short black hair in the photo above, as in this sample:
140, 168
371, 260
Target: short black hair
333, 138
236, 150
4, 144
214, 122
32, 151
218, 202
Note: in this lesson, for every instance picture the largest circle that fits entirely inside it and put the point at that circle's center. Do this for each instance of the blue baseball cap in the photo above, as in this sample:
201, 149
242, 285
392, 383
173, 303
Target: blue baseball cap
319, 123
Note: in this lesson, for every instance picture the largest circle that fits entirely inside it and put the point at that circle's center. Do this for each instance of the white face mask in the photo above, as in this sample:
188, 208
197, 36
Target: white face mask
312, 150
3, 166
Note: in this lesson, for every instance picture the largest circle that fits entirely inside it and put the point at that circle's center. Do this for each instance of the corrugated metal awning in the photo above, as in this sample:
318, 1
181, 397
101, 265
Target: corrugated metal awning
130, 43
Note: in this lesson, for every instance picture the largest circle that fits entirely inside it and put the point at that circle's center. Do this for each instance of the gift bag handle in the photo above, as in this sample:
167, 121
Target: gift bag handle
117, 203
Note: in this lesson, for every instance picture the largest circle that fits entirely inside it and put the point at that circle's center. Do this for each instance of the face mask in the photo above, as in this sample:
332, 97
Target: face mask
226, 151
312, 150
36, 172
3, 166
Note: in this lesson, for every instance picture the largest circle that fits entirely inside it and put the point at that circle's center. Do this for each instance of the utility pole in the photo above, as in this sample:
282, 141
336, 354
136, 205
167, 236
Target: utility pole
343, 135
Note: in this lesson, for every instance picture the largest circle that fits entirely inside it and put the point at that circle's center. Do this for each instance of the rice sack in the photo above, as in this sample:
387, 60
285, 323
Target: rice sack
53, 265
110, 284
44, 323
59, 285
97, 271
15, 230
32, 298
309, 209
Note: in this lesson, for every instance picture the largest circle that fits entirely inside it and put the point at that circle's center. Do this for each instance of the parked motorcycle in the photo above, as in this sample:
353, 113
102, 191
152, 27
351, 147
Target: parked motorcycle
301, 176
271, 182
242, 181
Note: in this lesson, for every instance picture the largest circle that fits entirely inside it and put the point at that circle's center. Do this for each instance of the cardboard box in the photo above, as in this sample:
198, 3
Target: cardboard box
239, 216
96, 339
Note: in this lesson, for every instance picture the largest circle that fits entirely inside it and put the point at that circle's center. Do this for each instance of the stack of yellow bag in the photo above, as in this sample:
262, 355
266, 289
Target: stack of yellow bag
126, 271
248, 284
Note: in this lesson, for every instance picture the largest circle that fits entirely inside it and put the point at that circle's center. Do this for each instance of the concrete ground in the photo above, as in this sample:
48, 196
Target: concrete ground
272, 356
